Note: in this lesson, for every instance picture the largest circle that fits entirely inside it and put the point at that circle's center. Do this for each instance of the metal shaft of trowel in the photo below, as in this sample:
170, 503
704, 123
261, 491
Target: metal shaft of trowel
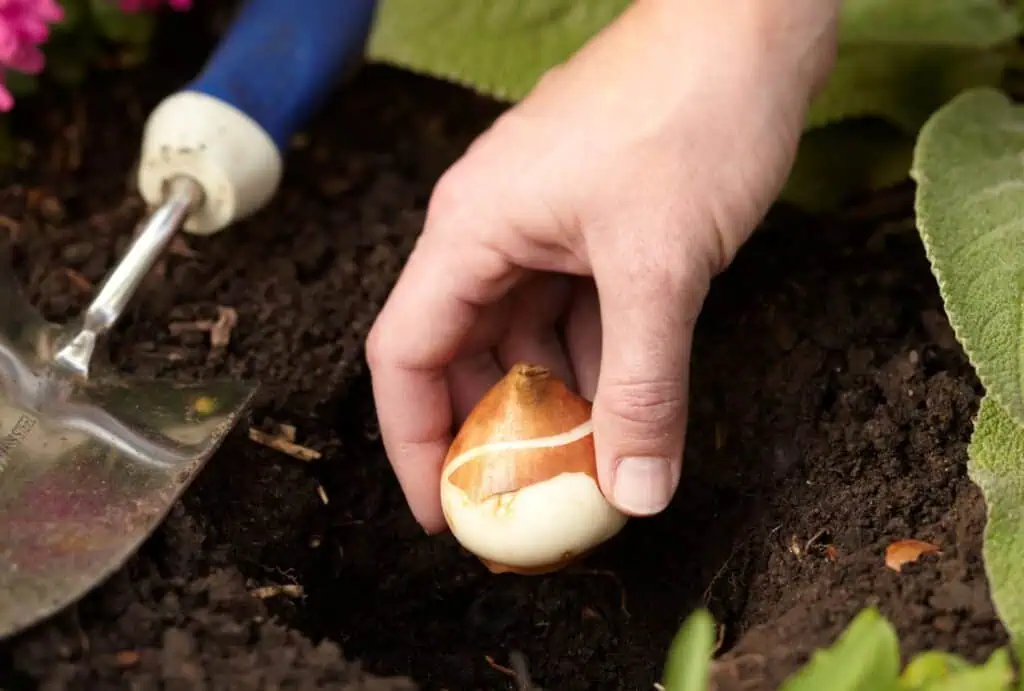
182, 197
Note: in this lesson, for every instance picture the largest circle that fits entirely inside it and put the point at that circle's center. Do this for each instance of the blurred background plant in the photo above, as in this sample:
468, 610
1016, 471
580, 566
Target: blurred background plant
61, 41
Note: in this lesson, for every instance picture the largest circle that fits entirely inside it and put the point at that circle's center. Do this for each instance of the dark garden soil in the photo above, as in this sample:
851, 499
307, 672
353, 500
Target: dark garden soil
830, 414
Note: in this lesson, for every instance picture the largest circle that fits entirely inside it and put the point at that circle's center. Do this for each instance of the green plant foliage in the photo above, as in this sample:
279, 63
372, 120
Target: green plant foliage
935, 671
930, 668
902, 83
866, 657
844, 159
92, 30
950, 22
967, 164
898, 60
902, 59
690, 654
996, 465
497, 47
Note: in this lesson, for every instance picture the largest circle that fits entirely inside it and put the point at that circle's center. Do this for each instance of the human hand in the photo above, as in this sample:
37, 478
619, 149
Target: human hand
582, 230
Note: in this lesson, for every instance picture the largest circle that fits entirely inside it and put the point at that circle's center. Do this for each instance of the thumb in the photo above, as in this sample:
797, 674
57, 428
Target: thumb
640, 406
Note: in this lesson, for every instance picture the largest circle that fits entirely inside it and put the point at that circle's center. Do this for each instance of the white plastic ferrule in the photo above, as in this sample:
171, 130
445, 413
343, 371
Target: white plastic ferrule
232, 158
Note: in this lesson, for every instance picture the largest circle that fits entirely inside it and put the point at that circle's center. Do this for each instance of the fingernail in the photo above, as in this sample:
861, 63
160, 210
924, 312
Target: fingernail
643, 486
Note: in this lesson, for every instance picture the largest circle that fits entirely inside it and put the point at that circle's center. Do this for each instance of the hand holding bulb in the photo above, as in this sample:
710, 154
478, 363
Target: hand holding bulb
580, 235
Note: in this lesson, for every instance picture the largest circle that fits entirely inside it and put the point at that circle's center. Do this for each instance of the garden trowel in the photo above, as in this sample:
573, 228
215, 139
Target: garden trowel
92, 460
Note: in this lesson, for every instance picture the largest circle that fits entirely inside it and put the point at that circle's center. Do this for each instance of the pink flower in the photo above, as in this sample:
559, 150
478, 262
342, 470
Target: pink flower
153, 5
24, 26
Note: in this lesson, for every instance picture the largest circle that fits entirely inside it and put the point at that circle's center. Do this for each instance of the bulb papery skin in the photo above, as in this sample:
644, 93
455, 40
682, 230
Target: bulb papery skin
519, 487
536, 529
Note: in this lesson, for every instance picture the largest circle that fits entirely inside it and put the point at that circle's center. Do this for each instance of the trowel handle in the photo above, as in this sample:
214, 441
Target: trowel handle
229, 128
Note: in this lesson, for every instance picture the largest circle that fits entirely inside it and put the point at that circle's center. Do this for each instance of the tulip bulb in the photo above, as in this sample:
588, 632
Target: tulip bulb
519, 485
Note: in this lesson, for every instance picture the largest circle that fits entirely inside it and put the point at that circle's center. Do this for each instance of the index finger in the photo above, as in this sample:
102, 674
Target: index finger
435, 303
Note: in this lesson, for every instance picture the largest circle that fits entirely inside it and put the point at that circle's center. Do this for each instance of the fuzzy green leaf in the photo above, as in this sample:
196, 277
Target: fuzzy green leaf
497, 47
904, 84
866, 657
972, 23
969, 168
902, 59
845, 159
996, 465
689, 657
898, 59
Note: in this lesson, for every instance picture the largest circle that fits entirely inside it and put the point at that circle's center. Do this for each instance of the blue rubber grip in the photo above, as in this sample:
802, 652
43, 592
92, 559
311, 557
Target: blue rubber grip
280, 58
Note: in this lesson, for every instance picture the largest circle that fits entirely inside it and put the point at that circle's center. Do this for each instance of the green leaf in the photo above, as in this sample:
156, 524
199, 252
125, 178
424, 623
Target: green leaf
927, 668
969, 168
995, 675
865, 658
902, 59
996, 465
898, 59
904, 84
689, 657
122, 27
497, 47
972, 23
845, 159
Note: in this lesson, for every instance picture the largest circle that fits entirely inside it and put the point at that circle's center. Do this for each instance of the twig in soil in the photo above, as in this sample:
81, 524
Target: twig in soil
268, 591
814, 540
180, 248
719, 436
719, 639
219, 329
706, 597
78, 280
220, 332
284, 442
322, 493
517, 670
795, 549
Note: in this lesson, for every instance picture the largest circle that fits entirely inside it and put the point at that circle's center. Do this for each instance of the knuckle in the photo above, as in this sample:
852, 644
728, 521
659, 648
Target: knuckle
450, 193
378, 346
652, 404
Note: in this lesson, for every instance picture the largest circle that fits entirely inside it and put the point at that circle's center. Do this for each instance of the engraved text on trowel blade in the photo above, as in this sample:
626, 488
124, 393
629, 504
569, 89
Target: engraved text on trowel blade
13, 439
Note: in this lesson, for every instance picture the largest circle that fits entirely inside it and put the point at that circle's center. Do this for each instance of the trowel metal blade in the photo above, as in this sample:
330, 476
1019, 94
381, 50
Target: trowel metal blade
89, 469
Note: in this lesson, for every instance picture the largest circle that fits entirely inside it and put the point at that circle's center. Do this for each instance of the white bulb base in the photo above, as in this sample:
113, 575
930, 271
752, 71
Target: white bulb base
225, 151
535, 527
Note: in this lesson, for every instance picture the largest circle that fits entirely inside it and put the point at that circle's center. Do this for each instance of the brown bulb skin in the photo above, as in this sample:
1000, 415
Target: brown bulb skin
529, 402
